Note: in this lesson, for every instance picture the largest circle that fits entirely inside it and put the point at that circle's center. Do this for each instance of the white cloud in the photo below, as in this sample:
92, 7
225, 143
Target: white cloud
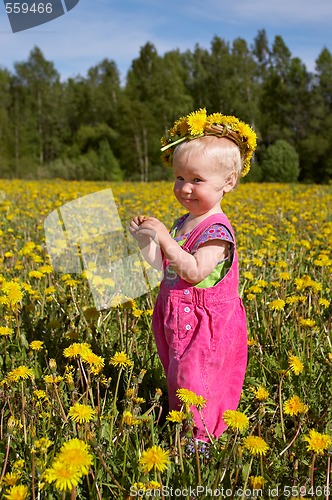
267, 12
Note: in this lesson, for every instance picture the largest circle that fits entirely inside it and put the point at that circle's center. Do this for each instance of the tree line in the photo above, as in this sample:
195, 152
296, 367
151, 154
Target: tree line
95, 128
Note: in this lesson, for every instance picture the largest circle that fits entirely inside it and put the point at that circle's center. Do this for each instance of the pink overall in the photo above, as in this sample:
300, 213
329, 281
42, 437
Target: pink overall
201, 337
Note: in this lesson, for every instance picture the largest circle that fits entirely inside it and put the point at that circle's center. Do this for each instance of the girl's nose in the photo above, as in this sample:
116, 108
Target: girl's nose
186, 188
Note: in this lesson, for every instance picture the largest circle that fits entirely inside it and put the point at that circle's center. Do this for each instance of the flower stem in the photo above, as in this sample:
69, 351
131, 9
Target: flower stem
178, 442
125, 457
247, 477
312, 470
280, 404
328, 478
23, 414
60, 404
115, 411
6, 459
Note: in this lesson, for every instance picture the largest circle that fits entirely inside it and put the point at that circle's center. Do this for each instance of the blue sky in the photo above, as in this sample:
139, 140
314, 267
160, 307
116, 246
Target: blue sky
98, 29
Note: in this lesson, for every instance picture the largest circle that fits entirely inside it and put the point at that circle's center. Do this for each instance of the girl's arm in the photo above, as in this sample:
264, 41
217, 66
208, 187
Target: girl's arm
191, 268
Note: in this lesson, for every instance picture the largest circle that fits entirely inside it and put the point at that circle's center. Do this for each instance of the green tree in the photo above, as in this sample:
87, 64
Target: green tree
155, 94
103, 84
36, 105
280, 163
316, 145
4, 122
217, 84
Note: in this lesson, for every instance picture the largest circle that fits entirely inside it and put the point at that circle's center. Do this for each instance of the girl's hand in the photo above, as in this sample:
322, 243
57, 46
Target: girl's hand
135, 230
141, 233
155, 229
144, 228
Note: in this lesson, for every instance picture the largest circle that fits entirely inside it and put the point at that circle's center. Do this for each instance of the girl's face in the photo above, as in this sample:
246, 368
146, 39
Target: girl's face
199, 185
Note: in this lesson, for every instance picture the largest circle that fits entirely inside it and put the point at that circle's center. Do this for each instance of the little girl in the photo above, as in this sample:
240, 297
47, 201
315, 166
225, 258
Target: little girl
199, 321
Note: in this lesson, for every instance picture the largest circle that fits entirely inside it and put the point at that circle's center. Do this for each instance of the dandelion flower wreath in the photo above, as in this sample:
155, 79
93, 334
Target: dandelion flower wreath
199, 124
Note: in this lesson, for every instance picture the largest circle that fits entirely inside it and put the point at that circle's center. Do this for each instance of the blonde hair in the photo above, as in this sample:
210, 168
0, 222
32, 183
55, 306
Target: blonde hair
223, 151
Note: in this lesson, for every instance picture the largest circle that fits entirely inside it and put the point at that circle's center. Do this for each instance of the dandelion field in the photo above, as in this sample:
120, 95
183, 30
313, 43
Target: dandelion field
83, 396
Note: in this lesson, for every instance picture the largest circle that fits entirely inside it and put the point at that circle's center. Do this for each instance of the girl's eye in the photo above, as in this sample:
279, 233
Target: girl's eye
197, 180
180, 178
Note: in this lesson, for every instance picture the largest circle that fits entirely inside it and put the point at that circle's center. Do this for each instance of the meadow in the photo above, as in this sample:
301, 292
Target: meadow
83, 396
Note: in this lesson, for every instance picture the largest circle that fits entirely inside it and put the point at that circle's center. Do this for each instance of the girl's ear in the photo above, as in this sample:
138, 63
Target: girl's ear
230, 182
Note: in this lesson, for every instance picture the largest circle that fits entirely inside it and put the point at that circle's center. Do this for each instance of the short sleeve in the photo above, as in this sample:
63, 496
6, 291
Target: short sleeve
215, 232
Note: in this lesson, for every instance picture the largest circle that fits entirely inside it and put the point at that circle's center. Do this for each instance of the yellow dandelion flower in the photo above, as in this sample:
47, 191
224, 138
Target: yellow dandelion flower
323, 302
196, 122
154, 458
42, 444
189, 398
46, 269
251, 342
285, 276
200, 402
176, 416
236, 420
294, 406
35, 274
256, 482
257, 262
139, 401
71, 282
11, 478
81, 413
13, 292
307, 322
295, 364
255, 445
277, 305
19, 492
36, 345
129, 393
63, 475
129, 419
254, 289
248, 275
121, 359
135, 487
215, 118
96, 362
76, 349
20, 373
261, 393
153, 485
295, 299
19, 464
76, 453
5, 331
318, 442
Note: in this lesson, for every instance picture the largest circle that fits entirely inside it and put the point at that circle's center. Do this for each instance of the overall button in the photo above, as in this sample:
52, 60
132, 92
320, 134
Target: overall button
187, 309
188, 327
186, 292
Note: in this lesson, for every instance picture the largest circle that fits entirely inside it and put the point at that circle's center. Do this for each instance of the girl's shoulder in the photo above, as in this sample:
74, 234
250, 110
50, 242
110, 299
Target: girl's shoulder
216, 231
178, 223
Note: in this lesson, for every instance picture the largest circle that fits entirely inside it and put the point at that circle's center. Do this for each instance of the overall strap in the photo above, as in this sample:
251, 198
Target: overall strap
220, 218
